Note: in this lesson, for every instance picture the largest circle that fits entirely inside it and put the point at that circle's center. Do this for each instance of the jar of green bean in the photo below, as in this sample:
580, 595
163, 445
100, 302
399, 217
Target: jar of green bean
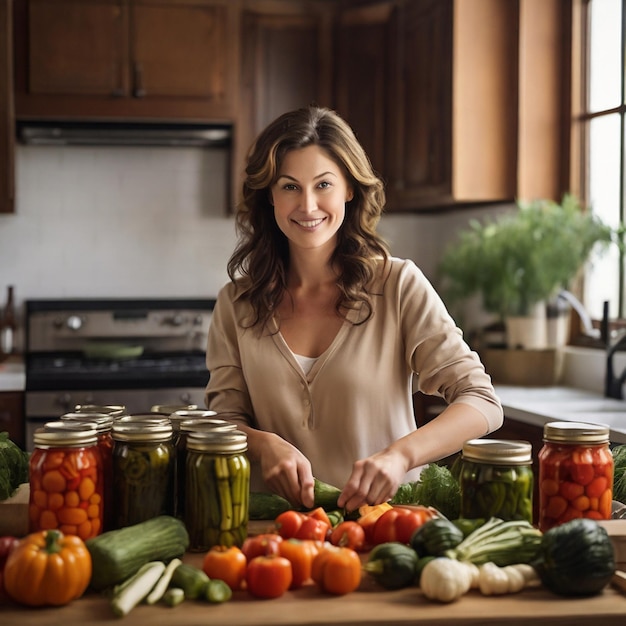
496, 479
217, 488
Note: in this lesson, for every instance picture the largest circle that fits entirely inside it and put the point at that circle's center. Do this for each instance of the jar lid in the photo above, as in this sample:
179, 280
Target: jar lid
196, 425
168, 409
177, 417
114, 410
498, 451
101, 421
218, 441
575, 432
141, 431
57, 434
143, 418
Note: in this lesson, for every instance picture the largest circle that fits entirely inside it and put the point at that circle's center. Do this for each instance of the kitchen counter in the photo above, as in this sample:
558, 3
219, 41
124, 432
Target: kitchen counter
370, 604
12, 375
539, 405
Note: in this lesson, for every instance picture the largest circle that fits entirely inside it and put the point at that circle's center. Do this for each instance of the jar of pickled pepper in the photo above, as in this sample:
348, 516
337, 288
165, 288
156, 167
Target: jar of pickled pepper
217, 489
497, 479
143, 464
65, 475
102, 423
575, 473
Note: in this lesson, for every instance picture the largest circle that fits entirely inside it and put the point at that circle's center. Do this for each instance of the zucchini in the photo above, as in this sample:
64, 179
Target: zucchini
118, 554
191, 580
217, 591
128, 595
325, 495
264, 506
393, 565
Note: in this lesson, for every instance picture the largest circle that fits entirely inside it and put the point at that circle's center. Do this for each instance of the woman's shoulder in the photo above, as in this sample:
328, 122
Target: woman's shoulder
396, 270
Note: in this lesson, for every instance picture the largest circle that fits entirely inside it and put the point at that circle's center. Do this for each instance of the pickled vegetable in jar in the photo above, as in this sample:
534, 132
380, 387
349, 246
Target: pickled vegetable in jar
497, 479
575, 473
143, 464
65, 475
217, 489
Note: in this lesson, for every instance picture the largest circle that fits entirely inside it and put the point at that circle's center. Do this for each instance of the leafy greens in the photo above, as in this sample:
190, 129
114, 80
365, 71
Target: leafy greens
13, 466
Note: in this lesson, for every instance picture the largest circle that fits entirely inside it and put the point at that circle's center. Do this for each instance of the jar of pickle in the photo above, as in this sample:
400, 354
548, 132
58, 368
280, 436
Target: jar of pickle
575, 473
143, 463
497, 479
102, 424
217, 489
65, 475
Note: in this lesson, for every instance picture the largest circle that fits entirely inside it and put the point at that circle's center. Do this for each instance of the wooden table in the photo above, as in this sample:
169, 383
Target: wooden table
370, 604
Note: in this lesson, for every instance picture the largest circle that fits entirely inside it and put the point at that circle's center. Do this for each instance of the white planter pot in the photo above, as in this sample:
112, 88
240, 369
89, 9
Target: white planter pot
528, 332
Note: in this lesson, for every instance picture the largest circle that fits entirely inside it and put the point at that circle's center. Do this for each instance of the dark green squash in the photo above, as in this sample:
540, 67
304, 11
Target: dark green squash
576, 558
436, 536
392, 565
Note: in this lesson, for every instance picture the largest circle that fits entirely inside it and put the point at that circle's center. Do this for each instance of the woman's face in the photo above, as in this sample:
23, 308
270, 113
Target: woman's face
309, 198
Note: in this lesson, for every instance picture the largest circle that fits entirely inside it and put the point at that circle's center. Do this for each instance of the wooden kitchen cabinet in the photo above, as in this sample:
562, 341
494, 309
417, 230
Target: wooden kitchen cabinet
7, 121
12, 416
168, 59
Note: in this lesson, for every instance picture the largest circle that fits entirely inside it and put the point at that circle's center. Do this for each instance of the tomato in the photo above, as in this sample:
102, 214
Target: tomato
261, 545
350, 535
300, 553
320, 514
288, 523
337, 570
7, 545
399, 523
268, 576
313, 529
368, 516
227, 564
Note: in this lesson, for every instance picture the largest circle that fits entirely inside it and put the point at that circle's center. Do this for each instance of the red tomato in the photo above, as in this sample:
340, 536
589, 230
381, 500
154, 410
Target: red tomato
348, 534
300, 553
337, 570
399, 523
320, 514
268, 576
313, 529
288, 523
261, 545
227, 564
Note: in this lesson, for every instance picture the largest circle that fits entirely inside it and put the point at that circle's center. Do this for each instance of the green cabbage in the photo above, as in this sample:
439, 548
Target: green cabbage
13, 466
619, 473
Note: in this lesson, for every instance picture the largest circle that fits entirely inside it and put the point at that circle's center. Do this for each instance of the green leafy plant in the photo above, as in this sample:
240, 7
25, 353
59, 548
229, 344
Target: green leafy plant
517, 260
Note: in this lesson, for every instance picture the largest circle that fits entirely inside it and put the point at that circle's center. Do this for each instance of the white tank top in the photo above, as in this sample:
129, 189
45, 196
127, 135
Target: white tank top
305, 362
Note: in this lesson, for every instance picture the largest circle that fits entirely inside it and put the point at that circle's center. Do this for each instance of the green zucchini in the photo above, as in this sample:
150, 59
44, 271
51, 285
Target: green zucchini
326, 495
263, 506
392, 565
191, 580
118, 554
436, 536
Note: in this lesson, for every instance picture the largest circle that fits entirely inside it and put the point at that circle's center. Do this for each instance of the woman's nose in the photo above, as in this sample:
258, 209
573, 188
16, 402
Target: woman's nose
309, 203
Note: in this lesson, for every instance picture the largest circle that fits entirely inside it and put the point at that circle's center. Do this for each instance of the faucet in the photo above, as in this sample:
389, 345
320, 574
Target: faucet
612, 385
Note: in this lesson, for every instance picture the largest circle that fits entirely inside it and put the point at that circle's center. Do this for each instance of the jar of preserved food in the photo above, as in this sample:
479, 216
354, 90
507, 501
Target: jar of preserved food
113, 410
168, 409
66, 480
497, 479
143, 463
217, 489
102, 424
575, 473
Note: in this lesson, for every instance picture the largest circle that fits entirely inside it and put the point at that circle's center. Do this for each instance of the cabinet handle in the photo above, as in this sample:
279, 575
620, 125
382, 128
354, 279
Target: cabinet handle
139, 91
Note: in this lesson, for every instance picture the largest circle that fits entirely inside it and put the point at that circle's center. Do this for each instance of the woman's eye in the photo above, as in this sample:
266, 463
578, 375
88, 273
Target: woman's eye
289, 187
324, 184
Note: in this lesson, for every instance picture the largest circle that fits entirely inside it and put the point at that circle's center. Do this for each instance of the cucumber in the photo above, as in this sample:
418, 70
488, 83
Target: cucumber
191, 580
326, 495
118, 554
266, 505
173, 596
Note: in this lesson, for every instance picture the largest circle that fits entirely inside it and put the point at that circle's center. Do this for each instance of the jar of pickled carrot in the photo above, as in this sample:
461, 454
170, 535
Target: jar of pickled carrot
575, 473
66, 481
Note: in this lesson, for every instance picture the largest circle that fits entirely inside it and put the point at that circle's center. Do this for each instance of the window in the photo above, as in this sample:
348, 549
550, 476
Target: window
602, 140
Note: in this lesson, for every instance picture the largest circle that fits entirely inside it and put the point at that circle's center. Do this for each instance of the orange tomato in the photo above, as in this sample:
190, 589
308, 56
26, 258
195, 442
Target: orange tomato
300, 553
348, 534
320, 514
268, 576
399, 523
227, 564
337, 570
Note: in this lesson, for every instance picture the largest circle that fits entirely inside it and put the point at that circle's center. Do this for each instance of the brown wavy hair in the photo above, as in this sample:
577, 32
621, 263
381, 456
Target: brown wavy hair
262, 251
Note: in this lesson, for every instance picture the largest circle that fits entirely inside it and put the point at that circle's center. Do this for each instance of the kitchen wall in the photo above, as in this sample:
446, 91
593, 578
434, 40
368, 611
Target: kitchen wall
144, 222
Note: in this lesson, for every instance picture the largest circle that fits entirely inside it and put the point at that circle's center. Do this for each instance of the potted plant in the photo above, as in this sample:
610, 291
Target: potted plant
519, 261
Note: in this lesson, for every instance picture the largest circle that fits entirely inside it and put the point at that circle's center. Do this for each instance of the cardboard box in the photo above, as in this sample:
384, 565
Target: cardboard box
14, 513
532, 368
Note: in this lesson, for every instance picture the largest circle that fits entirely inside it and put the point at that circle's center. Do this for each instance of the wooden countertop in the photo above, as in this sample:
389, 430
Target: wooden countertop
370, 604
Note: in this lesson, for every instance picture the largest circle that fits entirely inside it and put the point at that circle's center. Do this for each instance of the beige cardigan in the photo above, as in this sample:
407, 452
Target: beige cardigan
357, 398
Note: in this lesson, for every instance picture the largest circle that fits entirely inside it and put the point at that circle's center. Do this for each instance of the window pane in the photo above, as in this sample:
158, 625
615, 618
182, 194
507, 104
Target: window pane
602, 278
605, 56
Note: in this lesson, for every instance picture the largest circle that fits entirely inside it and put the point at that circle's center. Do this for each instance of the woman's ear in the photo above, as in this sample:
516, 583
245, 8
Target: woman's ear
349, 195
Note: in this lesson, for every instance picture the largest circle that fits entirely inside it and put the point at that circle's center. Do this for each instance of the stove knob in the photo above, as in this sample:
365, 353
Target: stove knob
74, 322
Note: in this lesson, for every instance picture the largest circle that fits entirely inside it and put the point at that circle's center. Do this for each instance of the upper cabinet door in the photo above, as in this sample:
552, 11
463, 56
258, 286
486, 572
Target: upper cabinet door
126, 58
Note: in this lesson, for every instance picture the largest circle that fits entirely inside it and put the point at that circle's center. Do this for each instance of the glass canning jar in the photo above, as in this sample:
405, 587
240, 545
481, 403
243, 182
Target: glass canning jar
143, 463
65, 475
575, 473
497, 479
217, 489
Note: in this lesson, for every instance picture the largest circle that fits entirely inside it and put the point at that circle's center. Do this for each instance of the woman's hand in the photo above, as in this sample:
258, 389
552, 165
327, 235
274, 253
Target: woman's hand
373, 480
287, 472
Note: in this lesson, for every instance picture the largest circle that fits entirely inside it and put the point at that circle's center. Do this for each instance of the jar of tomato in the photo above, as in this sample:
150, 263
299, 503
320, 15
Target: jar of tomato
217, 489
143, 471
65, 473
497, 479
575, 473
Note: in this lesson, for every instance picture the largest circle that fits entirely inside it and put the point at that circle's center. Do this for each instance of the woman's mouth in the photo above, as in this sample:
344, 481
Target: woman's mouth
309, 223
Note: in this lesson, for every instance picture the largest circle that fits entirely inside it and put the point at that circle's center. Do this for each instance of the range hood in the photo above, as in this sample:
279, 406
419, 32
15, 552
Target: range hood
122, 134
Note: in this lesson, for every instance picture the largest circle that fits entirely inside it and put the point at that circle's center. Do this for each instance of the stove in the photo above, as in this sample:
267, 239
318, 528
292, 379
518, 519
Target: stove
132, 352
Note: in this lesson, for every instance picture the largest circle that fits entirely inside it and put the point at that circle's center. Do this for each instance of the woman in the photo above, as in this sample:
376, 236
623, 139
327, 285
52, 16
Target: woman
314, 343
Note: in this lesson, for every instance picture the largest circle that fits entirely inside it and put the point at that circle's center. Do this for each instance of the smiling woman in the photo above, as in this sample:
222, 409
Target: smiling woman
314, 286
